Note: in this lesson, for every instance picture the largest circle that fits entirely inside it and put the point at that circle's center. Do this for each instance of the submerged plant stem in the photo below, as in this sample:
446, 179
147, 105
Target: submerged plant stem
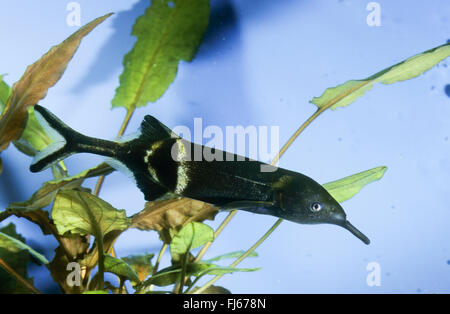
243, 256
158, 260
16, 276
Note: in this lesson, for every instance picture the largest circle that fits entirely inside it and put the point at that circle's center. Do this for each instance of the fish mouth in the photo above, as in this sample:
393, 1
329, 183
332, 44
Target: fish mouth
347, 225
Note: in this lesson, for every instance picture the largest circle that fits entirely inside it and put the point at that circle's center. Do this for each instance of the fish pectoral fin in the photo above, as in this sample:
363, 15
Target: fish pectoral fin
245, 205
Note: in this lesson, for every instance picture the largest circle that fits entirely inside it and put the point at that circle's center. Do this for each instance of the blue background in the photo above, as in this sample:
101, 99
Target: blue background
260, 63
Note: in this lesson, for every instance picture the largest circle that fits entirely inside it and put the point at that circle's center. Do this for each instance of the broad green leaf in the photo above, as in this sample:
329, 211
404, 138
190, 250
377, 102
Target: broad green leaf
13, 245
230, 255
169, 31
35, 82
141, 264
82, 213
346, 188
345, 94
191, 236
32, 209
169, 216
120, 268
16, 258
45, 195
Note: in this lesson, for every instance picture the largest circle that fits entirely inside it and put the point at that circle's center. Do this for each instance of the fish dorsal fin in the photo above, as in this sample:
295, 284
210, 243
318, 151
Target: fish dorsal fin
154, 130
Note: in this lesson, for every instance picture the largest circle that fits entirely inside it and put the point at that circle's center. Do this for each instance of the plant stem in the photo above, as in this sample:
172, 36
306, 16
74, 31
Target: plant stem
16, 276
183, 272
101, 262
99, 238
243, 256
160, 255
158, 260
296, 134
121, 285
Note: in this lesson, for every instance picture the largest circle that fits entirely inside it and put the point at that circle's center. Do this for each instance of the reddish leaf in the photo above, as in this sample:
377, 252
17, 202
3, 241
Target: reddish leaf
35, 82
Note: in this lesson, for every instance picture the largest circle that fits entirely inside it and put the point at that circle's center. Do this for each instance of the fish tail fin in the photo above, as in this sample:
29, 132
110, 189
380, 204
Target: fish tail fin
66, 141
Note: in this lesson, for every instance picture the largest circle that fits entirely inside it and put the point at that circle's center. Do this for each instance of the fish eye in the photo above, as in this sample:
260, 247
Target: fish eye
315, 207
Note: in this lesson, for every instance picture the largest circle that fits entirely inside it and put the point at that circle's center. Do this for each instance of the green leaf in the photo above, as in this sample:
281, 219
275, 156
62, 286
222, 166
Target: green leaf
141, 264
171, 275
346, 188
169, 31
34, 138
191, 236
230, 255
219, 270
14, 245
120, 268
345, 94
17, 259
45, 195
81, 212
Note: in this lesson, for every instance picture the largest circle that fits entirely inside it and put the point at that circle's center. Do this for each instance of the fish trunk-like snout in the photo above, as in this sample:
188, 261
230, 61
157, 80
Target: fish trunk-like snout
347, 225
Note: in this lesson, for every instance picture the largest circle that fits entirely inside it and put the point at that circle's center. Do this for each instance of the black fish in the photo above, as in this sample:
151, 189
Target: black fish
161, 163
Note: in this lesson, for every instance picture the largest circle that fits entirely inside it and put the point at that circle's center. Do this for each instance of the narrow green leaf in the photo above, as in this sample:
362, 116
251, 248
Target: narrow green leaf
5, 91
14, 245
230, 255
219, 270
79, 212
346, 188
345, 94
191, 236
171, 275
120, 268
169, 31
